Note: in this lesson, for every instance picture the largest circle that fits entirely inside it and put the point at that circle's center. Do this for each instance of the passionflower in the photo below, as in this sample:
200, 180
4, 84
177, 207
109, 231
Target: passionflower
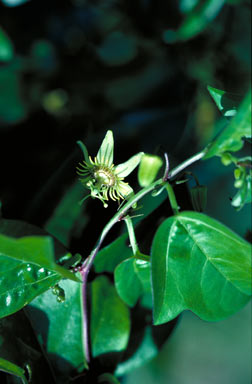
102, 177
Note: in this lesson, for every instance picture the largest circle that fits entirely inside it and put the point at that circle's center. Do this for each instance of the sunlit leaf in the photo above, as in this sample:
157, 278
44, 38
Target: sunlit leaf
201, 265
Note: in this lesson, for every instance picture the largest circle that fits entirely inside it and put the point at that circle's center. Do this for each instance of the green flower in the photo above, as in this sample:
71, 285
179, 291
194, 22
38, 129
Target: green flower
102, 177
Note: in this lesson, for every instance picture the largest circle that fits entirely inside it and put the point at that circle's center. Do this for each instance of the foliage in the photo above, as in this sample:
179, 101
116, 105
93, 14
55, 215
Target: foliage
81, 298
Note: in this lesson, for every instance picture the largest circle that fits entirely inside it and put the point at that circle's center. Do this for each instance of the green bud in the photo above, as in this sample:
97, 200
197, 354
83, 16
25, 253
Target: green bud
237, 173
199, 197
148, 169
226, 158
238, 183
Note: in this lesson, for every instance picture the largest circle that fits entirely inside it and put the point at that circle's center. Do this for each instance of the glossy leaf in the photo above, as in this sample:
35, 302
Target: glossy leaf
58, 326
13, 369
230, 139
110, 321
225, 101
132, 280
6, 48
199, 264
37, 250
21, 282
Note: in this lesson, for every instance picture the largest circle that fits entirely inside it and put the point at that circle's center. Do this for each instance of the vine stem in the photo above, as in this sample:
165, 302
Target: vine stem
172, 198
121, 214
132, 235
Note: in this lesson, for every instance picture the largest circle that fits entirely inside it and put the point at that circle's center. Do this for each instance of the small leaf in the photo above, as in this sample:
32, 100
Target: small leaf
105, 154
225, 101
230, 139
13, 369
132, 280
110, 321
124, 169
63, 339
199, 264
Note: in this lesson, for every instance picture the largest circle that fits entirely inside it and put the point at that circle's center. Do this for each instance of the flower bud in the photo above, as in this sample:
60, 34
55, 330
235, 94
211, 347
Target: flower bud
148, 169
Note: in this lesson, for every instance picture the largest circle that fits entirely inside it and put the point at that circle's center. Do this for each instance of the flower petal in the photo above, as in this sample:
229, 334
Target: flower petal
124, 169
125, 189
105, 154
84, 150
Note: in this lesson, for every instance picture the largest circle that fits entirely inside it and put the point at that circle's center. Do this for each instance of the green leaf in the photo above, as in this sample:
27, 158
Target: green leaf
110, 321
20, 283
111, 255
199, 264
36, 250
225, 101
13, 369
230, 139
105, 154
6, 48
132, 280
58, 327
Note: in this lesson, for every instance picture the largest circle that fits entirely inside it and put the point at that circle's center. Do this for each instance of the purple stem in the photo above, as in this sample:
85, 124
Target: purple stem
84, 273
167, 167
